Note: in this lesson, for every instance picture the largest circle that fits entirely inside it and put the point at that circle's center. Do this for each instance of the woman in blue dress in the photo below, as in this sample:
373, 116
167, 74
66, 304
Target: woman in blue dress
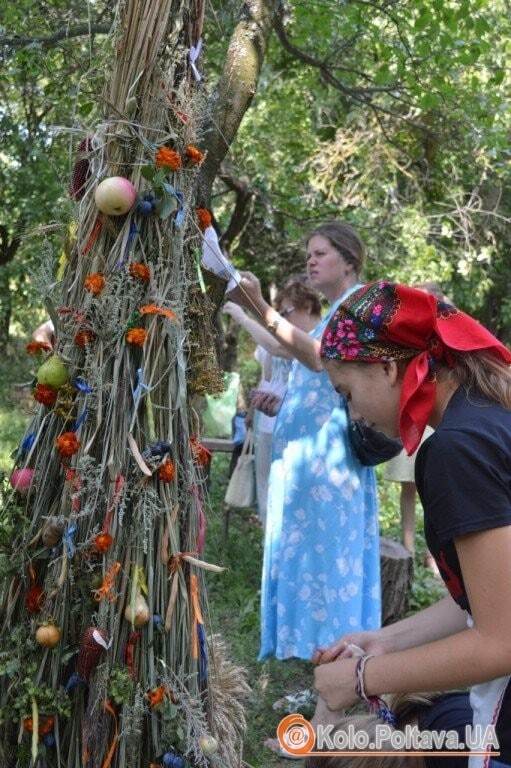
321, 572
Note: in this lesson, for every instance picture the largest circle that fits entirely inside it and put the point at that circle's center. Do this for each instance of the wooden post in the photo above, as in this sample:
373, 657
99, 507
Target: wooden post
396, 580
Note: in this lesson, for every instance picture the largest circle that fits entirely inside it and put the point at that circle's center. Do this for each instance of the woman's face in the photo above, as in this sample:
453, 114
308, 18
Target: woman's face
299, 317
326, 267
372, 391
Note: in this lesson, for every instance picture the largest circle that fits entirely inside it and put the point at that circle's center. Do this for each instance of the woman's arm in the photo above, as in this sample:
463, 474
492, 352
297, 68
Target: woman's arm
471, 656
255, 329
298, 343
439, 620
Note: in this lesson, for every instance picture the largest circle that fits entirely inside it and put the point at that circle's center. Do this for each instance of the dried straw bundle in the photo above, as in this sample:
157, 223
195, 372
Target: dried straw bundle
108, 552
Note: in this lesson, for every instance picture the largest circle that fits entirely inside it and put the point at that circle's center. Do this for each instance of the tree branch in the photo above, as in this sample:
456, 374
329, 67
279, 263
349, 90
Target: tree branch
241, 213
236, 87
16, 42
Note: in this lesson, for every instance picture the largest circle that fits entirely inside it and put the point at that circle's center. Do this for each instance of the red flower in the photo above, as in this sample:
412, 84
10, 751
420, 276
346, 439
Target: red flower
204, 218
33, 347
46, 725
67, 444
167, 471
94, 283
140, 271
168, 158
83, 338
34, 599
45, 395
136, 336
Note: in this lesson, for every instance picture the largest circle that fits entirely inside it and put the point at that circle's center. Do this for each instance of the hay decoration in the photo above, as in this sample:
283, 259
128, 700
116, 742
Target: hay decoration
114, 522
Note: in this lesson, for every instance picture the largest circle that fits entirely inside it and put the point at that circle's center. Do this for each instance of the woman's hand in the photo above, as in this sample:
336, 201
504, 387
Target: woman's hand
368, 642
266, 402
336, 683
251, 289
234, 310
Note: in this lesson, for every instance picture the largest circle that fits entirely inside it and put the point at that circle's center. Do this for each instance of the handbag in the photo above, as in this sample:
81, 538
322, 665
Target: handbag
370, 446
241, 490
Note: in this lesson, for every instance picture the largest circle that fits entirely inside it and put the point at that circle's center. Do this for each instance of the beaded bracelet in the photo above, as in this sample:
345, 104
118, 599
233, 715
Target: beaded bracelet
374, 703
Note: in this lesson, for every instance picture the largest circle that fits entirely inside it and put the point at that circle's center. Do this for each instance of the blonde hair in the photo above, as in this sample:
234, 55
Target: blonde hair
406, 708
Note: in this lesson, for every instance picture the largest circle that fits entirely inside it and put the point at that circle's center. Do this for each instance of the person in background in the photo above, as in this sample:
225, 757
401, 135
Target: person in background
301, 304
321, 567
45, 333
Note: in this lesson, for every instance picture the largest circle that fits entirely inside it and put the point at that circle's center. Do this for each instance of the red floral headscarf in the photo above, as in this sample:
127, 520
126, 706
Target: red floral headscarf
386, 321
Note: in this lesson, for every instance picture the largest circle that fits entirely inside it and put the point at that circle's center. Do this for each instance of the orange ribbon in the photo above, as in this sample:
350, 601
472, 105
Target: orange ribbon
113, 746
154, 309
105, 590
197, 614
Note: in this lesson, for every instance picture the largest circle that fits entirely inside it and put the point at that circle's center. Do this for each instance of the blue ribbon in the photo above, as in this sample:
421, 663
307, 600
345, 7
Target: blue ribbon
27, 443
69, 544
131, 236
73, 682
180, 215
156, 449
141, 386
82, 385
80, 420
203, 656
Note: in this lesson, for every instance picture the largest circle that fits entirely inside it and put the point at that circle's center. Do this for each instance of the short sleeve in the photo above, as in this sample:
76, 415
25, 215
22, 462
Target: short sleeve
464, 482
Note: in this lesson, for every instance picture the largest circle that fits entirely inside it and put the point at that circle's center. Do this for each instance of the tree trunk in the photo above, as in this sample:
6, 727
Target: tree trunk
236, 87
396, 580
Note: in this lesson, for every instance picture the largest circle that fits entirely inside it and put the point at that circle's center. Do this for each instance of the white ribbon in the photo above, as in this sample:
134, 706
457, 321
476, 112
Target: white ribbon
195, 52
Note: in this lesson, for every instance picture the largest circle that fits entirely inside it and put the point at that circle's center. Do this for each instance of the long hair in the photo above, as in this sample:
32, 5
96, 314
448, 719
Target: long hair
406, 708
484, 373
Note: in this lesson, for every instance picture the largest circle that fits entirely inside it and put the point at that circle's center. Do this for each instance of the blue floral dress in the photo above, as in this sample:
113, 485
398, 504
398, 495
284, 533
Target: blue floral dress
321, 571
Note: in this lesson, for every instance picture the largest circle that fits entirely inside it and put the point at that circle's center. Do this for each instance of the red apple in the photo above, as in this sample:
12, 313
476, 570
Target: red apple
115, 196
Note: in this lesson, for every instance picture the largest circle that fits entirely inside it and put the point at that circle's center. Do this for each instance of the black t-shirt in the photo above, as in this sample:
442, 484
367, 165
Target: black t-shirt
463, 476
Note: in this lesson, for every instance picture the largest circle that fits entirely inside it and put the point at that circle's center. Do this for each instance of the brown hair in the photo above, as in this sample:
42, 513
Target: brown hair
345, 240
484, 373
300, 295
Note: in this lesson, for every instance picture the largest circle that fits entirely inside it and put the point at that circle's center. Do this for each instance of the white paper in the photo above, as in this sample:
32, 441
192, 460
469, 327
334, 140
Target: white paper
214, 260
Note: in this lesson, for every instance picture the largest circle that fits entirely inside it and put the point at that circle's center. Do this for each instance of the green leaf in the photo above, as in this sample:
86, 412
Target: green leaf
148, 172
167, 206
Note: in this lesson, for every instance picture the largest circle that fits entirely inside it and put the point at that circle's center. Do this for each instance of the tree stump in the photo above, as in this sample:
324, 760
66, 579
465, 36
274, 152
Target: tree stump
396, 580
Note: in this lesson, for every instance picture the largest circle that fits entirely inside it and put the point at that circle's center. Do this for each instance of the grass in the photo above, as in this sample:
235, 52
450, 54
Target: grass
234, 595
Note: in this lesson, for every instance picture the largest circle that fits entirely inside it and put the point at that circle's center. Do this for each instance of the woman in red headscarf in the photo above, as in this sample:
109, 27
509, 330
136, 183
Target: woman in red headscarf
403, 359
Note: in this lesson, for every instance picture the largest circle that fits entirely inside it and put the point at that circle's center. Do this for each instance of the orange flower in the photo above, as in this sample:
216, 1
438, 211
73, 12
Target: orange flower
154, 309
83, 338
103, 542
67, 444
46, 725
33, 347
200, 453
141, 271
156, 696
136, 336
45, 394
167, 471
168, 158
204, 217
194, 155
94, 283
